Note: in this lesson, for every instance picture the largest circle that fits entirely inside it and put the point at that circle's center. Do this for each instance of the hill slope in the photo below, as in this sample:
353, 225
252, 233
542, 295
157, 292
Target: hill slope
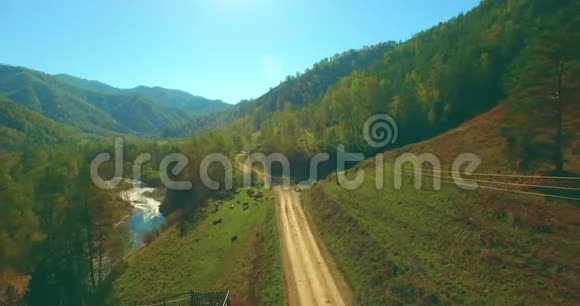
452, 246
45, 95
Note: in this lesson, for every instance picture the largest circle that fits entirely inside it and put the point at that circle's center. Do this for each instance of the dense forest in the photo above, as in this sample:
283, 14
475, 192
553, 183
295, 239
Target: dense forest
62, 231
55, 226
65, 232
431, 83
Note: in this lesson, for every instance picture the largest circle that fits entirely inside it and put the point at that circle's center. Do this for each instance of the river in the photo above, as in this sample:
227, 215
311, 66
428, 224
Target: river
145, 217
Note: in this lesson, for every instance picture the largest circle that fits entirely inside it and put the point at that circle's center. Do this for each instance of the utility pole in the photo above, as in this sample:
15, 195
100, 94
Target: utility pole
559, 158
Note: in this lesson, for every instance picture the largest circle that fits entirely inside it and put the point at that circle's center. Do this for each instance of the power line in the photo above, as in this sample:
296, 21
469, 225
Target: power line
500, 183
503, 189
515, 191
512, 175
482, 174
505, 183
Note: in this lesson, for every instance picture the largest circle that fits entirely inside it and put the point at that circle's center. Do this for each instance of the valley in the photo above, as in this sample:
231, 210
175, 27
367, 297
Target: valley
445, 162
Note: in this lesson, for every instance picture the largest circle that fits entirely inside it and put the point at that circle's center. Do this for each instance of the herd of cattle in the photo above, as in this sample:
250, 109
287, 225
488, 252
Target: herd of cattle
257, 196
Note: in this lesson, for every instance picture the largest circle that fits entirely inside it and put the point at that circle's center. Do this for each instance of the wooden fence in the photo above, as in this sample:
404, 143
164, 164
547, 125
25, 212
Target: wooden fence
220, 298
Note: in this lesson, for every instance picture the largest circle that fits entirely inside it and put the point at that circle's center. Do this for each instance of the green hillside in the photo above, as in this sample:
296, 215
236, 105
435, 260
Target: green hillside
41, 93
19, 125
94, 107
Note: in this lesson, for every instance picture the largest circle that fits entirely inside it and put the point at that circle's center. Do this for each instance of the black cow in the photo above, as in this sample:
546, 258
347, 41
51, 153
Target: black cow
234, 238
217, 221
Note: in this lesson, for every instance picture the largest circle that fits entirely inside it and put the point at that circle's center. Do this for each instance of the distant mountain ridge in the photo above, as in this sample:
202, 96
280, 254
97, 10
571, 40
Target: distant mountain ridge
171, 97
98, 108
85, 84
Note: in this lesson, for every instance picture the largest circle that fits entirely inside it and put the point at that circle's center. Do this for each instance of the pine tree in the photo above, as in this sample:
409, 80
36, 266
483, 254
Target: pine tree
539, 93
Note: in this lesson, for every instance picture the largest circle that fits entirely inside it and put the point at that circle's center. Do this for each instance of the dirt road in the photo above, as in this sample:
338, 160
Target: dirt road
307, 275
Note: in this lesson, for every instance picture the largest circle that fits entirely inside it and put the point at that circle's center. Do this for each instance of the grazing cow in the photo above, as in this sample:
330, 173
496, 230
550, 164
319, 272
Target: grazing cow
214, 210
234, 238
217, 221
231, 205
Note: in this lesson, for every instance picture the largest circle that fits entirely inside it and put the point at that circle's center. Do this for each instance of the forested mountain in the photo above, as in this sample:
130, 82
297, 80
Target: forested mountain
43, 94
168, 97
19, 125
431, 83
93, 107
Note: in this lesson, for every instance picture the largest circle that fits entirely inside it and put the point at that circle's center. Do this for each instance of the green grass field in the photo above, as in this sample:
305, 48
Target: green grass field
205, 259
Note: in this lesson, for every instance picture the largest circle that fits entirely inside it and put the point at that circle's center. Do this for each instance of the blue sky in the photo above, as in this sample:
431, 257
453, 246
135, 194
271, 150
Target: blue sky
226, 49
